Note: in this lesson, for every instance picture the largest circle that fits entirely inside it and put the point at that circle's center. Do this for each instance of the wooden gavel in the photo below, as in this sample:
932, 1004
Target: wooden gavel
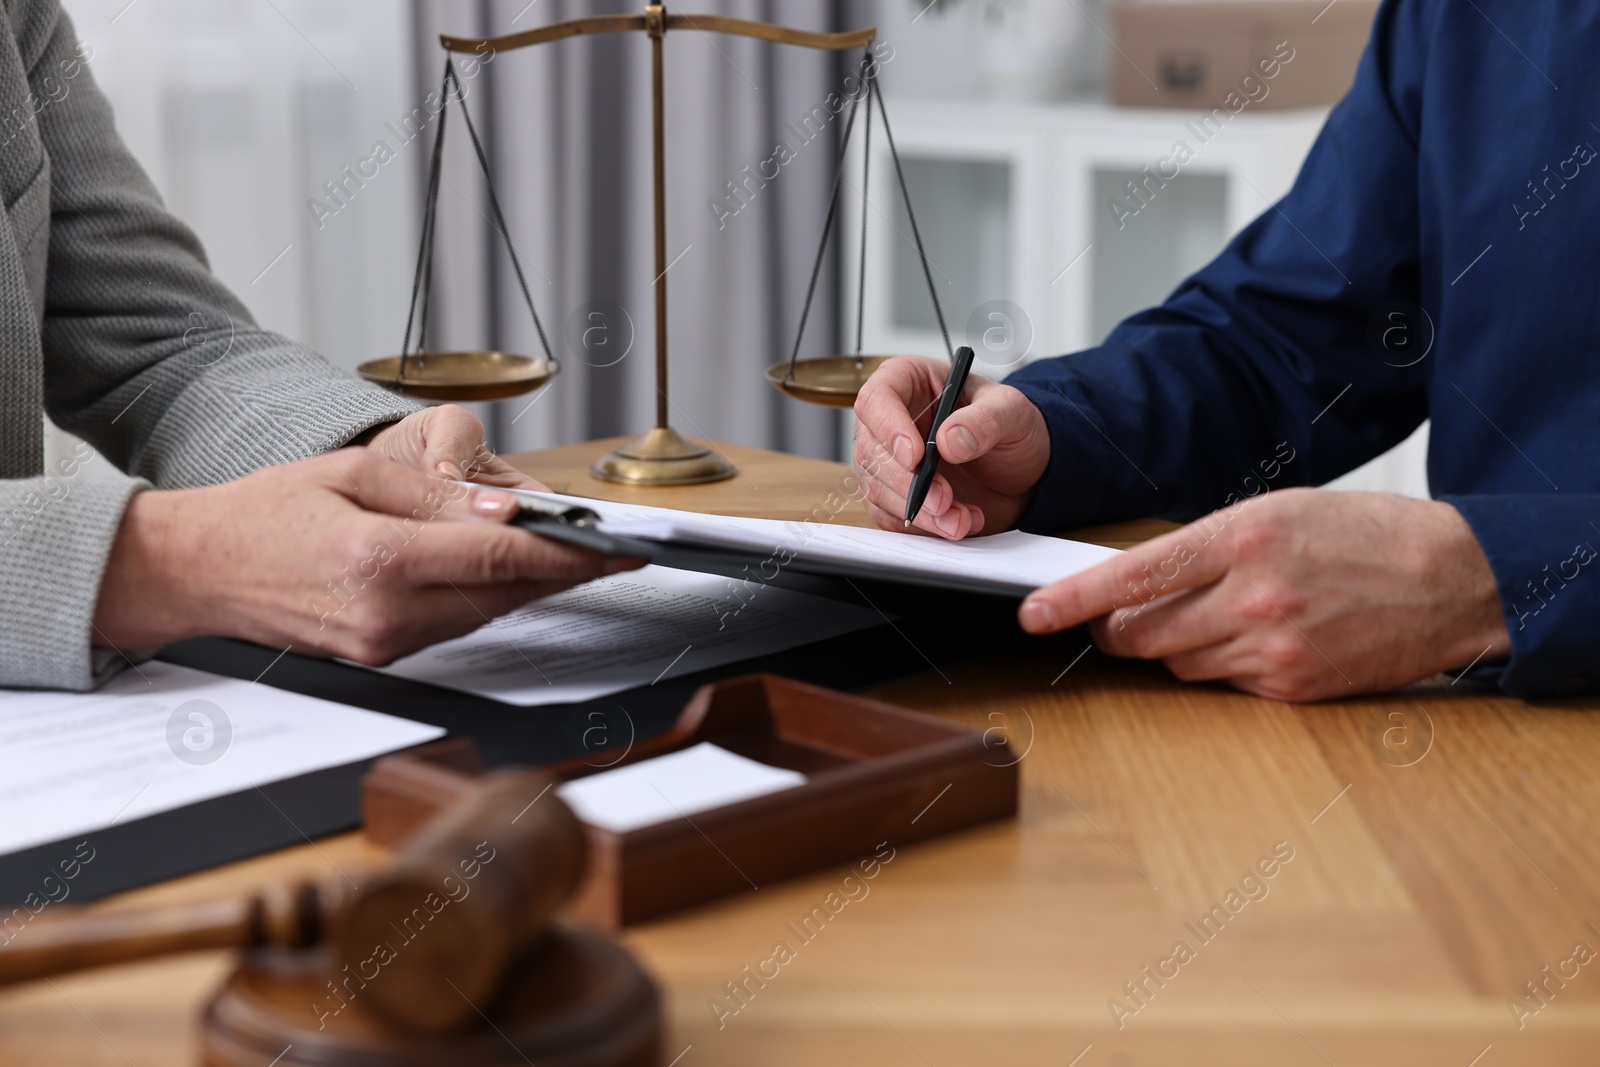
472, 894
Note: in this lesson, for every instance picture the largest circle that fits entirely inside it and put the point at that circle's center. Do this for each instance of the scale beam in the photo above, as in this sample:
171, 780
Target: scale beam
763, 31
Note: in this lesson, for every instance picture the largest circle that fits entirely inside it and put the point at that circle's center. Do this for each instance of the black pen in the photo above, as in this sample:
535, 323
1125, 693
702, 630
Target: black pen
960, 367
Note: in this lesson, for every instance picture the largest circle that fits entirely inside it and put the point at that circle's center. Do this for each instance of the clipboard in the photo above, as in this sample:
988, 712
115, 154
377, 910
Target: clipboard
580, 526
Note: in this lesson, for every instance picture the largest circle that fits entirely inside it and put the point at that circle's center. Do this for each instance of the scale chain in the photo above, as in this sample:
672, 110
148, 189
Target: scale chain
927, 271
873, 92
833, 208
423, 281
866, 172
425, 246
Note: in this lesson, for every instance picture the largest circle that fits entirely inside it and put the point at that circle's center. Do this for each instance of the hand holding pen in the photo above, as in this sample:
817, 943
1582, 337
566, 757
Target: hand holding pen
992, 449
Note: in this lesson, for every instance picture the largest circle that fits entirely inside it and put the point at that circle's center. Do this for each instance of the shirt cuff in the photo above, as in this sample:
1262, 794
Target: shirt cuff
1542, 549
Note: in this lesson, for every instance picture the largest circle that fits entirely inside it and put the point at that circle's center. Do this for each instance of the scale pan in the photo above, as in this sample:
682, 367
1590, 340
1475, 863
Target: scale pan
461, 376
832, 381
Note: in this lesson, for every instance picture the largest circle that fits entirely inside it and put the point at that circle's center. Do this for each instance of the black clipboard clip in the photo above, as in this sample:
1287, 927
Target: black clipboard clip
578, 526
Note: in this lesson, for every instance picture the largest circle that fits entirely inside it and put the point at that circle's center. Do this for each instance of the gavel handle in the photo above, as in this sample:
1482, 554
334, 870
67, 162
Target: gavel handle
63, 940
72, 941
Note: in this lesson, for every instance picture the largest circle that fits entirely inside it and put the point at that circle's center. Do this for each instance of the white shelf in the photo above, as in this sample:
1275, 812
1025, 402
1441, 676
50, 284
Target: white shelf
1048, 241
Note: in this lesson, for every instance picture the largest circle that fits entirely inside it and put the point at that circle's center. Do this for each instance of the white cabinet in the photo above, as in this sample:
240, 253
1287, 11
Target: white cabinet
1017, 207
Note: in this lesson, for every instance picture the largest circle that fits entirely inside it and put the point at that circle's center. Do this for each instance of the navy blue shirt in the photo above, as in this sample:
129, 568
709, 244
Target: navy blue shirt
1437, 258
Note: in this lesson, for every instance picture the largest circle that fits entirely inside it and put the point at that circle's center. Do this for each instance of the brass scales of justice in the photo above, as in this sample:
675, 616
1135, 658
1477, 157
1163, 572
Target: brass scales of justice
661, 456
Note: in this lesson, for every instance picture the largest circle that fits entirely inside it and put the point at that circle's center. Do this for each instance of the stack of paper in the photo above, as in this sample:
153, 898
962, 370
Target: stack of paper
160, 737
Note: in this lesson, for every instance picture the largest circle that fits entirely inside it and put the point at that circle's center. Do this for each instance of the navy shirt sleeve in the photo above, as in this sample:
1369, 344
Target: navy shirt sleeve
1276, 365
1542, 549
1264, 353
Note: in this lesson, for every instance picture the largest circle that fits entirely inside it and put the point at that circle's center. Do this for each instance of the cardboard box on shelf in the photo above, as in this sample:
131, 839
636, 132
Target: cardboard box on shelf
1272, 54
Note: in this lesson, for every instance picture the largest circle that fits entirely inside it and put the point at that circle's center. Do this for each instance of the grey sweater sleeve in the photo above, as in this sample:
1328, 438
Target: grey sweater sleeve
56, 532
146, 356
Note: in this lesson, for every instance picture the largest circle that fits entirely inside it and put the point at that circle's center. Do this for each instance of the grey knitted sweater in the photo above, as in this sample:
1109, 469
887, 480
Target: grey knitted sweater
111, 321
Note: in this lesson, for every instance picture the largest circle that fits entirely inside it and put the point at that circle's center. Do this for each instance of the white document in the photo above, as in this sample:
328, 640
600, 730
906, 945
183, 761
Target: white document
673, 786
1019, 562
161, 737
628, 630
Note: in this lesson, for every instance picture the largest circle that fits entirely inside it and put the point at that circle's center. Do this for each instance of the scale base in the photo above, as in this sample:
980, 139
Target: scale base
662, 457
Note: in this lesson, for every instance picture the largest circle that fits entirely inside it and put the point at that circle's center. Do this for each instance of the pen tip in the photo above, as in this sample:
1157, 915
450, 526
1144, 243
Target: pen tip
908, 524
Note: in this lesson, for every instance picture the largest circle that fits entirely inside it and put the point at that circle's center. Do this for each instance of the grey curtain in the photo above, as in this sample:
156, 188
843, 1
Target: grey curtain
567, 128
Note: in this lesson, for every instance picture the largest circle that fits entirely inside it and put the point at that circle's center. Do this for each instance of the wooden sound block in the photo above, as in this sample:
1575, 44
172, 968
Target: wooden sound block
577, 1000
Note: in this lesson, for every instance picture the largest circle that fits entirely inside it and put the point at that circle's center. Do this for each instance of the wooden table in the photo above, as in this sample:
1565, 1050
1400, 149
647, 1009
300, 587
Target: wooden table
1442, 856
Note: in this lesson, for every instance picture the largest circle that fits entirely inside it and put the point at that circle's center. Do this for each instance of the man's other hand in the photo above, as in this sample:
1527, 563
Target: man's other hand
993, 450
1301, 594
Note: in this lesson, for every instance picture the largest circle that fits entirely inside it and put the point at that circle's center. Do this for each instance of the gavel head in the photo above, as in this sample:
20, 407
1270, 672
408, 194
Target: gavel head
431, 939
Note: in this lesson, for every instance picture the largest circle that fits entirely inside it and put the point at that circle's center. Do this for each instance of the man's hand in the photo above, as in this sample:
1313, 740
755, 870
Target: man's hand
447, 442
349, 554
993, 450
1301, 594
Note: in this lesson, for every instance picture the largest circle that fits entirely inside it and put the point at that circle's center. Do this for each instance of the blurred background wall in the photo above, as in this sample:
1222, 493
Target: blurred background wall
247, 114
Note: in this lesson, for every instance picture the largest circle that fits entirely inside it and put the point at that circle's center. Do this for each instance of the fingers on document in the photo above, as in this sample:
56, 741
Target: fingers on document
486, 468
494, 471
1167, 564
379, 484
